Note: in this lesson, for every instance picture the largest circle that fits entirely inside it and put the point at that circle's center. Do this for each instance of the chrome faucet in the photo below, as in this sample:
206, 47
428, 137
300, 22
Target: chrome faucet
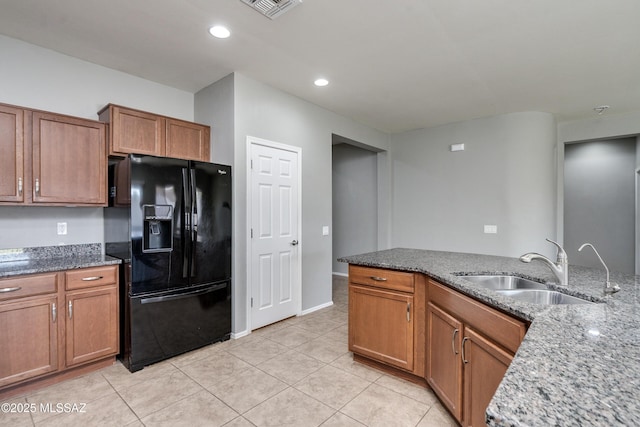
560, 268
609, 288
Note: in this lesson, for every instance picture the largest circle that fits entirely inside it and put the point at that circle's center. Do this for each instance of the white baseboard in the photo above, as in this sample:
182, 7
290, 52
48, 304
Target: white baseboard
316, 308
335, 273
240, 334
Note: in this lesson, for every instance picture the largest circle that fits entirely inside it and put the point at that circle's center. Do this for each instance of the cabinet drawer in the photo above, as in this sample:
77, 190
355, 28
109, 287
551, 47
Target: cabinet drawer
382, 278
25, 286
91, 277
501, 328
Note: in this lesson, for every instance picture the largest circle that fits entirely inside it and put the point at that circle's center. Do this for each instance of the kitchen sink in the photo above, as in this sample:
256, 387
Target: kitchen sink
541, 296
522, 289
504, 282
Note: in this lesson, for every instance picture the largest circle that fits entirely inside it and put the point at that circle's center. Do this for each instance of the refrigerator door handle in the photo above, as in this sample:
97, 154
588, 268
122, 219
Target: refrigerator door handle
194, 220
164, 298
186, 227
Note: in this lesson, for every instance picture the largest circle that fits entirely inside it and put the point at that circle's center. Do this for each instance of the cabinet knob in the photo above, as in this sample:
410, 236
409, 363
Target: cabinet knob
378, 279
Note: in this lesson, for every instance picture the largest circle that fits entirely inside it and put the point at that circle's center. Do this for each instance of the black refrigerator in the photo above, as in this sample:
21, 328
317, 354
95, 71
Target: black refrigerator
169, 220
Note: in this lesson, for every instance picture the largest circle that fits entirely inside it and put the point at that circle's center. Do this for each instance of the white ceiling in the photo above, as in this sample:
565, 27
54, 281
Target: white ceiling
395, 65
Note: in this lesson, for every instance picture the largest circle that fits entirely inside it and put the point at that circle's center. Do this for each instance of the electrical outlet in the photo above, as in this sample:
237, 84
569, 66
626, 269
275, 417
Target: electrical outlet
490, 229
62, 228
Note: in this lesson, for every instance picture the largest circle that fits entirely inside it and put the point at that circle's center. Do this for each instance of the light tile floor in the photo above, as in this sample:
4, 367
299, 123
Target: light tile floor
294, 373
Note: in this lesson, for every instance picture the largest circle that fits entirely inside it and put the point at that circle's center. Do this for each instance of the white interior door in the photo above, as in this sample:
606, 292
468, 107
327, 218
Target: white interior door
275, 241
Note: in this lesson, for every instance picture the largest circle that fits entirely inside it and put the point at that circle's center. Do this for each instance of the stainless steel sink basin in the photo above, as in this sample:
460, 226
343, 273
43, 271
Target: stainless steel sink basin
542, 296
504, 282
522, 289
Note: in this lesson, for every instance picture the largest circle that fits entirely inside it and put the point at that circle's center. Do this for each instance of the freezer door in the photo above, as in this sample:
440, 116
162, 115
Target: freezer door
170, 323
158, 259
211, 223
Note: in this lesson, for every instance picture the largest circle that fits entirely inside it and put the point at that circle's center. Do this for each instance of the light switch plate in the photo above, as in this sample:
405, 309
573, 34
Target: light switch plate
325, 230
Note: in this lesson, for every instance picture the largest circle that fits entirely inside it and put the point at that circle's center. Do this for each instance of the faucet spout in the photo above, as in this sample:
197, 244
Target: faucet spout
609, 288
560, 268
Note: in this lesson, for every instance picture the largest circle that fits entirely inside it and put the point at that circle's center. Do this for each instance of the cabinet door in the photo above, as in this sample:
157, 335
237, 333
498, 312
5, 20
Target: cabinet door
381, 325
188, 141
137, 132
11, 154
69, 160
484, 367
29, 337
92, 325
444, 364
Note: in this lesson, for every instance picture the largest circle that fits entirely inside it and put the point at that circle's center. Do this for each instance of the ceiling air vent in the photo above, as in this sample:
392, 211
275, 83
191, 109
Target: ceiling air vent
272, 8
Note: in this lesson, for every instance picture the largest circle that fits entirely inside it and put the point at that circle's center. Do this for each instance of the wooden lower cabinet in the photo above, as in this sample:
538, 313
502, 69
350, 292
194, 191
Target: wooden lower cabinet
92, 325
412, 326
387, 320
29, 337
484, 366
464, 366
55, 324
381, 325
444, 364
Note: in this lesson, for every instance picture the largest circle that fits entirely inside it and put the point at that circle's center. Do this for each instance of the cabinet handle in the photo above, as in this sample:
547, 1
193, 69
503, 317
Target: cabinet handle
453, 340
5, 290
378, 279
54, 312
92, 278
408, 312
20, 186
464, 358
70, 310
37, 186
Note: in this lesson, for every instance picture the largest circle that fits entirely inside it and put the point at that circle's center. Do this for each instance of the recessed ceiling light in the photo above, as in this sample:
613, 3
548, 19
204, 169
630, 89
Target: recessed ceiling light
321, 82
219, 31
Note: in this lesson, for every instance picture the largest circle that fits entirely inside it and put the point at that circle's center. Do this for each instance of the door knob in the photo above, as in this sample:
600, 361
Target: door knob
294, 243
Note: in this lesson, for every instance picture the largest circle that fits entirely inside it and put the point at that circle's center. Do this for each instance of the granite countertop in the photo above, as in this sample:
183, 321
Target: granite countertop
17, 262
577, 365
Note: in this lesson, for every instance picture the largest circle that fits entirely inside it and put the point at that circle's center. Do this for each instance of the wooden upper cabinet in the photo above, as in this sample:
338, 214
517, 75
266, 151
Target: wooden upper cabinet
133, 131
141, 132
187, 140
11, 154
51, 159
69, 160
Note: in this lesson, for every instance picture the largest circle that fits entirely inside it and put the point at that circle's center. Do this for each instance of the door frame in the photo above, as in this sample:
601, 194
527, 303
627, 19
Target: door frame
251, 141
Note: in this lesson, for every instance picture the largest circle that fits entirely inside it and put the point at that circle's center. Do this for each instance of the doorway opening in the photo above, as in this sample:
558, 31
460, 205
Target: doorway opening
600, 202
357, 195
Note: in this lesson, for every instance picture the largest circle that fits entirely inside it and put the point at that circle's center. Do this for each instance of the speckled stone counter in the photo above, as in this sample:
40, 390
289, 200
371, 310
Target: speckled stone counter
16, 262
578, 364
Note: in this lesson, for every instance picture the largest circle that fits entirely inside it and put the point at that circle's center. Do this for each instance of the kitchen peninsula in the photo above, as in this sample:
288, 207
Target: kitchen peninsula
577, 365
